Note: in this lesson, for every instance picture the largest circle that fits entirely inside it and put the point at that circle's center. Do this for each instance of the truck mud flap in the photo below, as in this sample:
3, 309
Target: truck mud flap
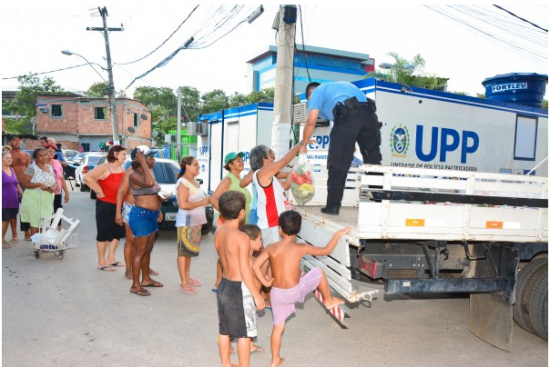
491, 319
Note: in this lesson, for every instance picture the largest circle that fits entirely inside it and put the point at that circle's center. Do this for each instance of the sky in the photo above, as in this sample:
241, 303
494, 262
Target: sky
33, 33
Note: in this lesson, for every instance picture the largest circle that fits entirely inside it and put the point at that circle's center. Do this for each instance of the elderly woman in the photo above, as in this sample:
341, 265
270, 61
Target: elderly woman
234, 164
10, 203
144, 217
272, 200
60, 183
191, 216
105, 180
39, 182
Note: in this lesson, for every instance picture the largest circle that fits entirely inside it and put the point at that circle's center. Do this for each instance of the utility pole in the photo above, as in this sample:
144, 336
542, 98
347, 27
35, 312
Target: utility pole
281, 126
178, 128
111, 86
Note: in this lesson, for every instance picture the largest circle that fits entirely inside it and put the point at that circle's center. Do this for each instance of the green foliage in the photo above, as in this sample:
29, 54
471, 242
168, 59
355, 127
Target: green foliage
18, 126
213, 101
152, 97
545, 104
24, 103
405, 73
97, 90
163, 104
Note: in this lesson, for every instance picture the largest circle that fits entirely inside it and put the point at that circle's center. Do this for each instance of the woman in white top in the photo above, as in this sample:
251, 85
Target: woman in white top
191, 216
39, 182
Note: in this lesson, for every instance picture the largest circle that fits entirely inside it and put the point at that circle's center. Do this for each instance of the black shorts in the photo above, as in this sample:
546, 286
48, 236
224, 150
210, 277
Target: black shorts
107, 228
9, 214
236, 310
57, 203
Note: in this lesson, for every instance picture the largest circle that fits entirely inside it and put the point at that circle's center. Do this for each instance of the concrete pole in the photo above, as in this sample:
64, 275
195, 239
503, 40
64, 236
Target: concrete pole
281, 126
111, 86
178, 128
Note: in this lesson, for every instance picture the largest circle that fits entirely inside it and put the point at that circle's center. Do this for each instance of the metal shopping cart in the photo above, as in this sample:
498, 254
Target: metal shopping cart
50, 239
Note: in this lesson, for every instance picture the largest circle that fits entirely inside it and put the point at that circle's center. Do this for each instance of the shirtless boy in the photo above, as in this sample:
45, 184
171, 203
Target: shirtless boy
21, 160
238, 297
288, 287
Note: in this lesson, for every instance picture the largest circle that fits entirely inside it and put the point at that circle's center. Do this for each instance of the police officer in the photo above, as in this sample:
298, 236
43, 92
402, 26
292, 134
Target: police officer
355, 120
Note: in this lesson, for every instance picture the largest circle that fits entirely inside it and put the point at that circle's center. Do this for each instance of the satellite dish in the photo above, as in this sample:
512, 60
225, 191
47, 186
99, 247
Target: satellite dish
33, 121
144, 116
131, 129
155, 133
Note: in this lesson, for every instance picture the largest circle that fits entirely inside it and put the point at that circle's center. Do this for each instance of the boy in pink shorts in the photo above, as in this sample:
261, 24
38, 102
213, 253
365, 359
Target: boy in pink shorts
288, 287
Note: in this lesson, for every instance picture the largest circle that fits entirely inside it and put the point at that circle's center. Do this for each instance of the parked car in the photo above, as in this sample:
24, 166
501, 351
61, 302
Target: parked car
166, 173
68, 153
77, 158
87, 164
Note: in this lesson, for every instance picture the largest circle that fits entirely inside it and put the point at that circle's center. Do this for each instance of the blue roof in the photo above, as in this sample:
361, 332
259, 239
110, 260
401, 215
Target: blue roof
317, 50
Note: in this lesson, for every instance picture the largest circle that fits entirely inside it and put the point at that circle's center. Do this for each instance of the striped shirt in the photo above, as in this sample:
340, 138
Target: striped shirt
271, 203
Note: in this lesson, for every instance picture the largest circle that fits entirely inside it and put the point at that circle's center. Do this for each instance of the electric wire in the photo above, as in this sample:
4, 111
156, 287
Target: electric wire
304, 43
166, 40
520, 18
45, 72
488, 23
225, 18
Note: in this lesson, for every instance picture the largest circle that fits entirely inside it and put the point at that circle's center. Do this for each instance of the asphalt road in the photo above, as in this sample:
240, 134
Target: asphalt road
68, 313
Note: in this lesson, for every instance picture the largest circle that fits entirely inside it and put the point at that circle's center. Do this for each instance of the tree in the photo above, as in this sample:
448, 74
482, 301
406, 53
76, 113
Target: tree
152, 97
24, 103
213, 101
265, 95
190, 102
404, 73
97, 90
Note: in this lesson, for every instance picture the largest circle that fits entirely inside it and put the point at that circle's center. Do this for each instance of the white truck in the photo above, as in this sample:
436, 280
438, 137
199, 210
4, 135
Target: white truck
460, 201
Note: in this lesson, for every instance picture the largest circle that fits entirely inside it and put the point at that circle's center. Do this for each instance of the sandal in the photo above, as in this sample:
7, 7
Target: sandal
194, 282
141, 292
5, 244
188, 289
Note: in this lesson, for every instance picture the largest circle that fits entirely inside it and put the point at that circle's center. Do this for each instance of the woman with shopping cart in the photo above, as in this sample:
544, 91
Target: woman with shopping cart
60, 183
39, 182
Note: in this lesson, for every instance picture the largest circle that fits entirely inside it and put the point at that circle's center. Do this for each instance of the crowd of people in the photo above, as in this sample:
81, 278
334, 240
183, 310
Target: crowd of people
32, 187
259, 258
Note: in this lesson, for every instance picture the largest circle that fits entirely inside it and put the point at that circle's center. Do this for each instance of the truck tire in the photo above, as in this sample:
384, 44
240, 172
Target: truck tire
538, 306
523, 292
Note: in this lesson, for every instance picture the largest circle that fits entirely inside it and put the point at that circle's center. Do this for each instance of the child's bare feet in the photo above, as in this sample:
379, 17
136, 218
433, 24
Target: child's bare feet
279, 361
333, 302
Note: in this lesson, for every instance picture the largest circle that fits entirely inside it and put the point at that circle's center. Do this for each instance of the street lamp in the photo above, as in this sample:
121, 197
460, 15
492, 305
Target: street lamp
388, 66
110, 89
70, 53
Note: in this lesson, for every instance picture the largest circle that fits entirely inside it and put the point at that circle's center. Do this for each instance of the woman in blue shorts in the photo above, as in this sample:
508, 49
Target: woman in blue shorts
144, 217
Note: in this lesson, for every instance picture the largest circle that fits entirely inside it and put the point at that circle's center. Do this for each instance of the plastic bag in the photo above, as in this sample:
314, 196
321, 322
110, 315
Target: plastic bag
302, 186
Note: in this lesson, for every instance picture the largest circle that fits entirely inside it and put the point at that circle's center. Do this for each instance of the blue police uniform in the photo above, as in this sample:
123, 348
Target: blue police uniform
355, 120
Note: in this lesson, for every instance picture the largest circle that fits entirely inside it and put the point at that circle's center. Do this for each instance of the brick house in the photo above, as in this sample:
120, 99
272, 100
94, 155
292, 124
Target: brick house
76, 121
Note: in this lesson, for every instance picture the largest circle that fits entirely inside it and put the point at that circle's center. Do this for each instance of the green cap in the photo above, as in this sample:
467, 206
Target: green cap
232, 155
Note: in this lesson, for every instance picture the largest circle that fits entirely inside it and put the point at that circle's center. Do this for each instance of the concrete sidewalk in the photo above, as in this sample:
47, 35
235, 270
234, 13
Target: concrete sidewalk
69, 313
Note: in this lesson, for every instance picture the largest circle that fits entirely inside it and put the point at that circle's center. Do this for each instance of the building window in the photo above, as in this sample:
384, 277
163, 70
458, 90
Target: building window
100, 113
57, 110
136, 121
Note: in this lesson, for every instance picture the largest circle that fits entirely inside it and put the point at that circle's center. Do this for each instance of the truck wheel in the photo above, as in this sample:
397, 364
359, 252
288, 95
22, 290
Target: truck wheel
538, 306
523, 292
